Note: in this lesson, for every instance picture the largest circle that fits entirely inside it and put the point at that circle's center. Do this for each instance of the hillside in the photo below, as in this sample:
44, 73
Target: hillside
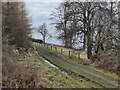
34, 65
74, 68
29, 70
60, 44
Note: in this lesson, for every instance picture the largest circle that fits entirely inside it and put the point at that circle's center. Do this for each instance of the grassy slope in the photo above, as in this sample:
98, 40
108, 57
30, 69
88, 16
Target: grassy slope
58, 79
25, 66
84, 55
46, 54
66, 51
31, 66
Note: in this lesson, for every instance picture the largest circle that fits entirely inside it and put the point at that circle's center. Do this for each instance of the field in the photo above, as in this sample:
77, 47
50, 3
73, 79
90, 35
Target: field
29, 70
23, 70
66, 51
86, 74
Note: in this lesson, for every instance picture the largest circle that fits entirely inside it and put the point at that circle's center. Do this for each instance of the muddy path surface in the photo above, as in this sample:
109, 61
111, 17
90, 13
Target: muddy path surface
58, 63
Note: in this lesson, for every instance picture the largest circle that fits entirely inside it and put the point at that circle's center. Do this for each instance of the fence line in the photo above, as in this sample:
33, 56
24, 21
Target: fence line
71, 53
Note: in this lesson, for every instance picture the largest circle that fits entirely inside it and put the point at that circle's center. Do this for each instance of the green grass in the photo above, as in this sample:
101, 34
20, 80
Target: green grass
106, 73
53, 77
66, 51
84, 55
68, 65
58, 79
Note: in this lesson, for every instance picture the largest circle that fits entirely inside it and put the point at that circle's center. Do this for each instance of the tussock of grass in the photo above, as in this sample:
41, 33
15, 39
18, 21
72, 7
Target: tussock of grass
17, 73
29, 70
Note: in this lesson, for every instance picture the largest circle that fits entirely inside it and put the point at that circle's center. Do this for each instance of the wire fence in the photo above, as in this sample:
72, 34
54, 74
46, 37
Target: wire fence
71, 53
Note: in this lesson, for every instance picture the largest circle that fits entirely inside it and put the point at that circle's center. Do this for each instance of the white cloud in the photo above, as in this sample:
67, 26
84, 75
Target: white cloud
40, 12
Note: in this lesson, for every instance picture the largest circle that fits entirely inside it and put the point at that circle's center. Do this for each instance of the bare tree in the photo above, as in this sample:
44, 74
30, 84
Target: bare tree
43, 31
61, 20
92, 23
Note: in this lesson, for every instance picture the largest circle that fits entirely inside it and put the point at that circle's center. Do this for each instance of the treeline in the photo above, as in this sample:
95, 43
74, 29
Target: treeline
95, 25
36, 40
16, 26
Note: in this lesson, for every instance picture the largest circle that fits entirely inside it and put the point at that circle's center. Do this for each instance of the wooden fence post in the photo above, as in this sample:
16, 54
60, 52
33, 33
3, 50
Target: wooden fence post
55, 49
44, 44
69, 54
51, 47
73, 53
61, 51
48, 46
78, 54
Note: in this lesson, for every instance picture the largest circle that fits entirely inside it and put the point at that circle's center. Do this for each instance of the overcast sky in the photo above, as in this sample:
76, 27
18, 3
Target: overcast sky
40, 12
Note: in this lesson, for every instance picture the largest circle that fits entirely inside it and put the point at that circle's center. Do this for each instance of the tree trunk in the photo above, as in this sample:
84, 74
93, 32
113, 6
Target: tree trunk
65, 42
44, 38
89, 44
89, 48
65, 37
84, 43
119, 17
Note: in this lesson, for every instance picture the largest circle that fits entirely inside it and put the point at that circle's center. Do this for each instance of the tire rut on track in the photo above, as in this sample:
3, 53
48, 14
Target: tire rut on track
84, 69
